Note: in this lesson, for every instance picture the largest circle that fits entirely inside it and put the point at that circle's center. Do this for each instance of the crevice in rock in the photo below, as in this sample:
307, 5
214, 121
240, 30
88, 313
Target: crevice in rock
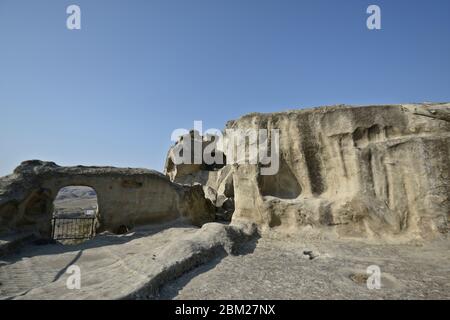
283, 185
311, 151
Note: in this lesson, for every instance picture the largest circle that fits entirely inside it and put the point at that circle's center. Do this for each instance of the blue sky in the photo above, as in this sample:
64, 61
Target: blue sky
112, 92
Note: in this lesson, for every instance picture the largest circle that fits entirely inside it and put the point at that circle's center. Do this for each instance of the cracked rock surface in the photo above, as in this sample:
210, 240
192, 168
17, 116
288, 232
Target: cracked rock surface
276, 268
130, 266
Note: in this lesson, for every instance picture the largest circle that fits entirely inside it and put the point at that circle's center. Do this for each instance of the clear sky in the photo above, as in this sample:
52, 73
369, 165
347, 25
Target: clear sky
112, 92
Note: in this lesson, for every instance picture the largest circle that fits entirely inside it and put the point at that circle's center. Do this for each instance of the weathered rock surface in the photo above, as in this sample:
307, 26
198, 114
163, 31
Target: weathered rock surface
126, 197
277, 268
216, 179
379, 172
363, 171
130, 266
373, 171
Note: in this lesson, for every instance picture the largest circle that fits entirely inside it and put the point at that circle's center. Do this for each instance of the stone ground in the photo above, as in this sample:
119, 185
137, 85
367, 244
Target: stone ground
271, 267
111, 265
279, 269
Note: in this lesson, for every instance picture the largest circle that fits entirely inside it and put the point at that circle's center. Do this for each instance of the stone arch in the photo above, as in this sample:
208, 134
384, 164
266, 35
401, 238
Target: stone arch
77, 186
39, 207
74, 214
125, 197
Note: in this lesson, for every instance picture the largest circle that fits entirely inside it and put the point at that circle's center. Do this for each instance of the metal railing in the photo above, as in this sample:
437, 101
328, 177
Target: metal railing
73, 228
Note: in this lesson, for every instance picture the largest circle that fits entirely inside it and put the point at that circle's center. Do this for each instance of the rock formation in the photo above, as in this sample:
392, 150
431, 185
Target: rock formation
373, 171
126, 197
216, 179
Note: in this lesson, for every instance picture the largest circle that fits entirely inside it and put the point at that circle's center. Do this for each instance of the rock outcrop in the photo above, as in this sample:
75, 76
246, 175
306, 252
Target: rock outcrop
373, 171
126, 197
216, 179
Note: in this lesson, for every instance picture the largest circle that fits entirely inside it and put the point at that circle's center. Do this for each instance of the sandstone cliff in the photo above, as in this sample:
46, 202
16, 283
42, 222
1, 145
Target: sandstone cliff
373, 171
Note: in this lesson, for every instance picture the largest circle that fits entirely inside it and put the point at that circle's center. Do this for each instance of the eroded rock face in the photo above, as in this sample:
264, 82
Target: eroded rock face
216, 179
371, 171
126, 197
361, 171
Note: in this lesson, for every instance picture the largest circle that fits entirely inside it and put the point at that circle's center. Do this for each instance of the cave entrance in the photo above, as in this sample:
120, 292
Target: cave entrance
75, 214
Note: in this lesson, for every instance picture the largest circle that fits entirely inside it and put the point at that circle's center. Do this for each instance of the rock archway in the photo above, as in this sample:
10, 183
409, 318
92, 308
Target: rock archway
126, 197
